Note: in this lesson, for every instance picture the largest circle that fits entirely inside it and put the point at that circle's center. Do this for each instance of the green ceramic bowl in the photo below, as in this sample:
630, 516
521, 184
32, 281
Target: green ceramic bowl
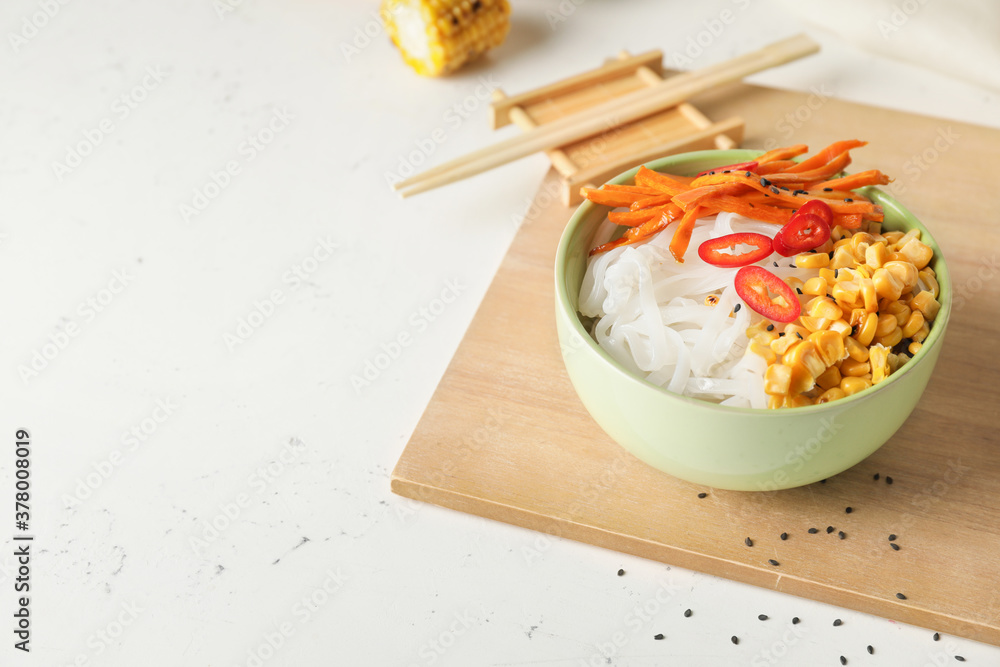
720, 446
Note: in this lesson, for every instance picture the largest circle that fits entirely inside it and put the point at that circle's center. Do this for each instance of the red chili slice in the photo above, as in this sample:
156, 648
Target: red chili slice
754, 284
739, 166
819, 208
803, 231
711, 250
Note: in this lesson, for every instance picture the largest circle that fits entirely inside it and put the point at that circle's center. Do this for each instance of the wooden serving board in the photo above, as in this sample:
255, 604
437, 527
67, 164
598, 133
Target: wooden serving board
505, 436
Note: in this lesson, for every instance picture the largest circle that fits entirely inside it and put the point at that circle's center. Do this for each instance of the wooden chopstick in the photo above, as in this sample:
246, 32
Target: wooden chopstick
614, 112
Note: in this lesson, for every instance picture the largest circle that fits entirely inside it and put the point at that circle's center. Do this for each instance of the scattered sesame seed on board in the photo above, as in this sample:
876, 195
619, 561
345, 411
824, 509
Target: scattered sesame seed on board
784, 536
796, 620
937, 636
892, 537
761, 617
703, 495
687, 613
843, 660
813, 531
876, 476
830, 529
900, 596
848, 510
842, 535
621, 573
895, 547
871, 650
748, 542
773, 562
734, 639
959, 658
888, 480
837, 622
658, 636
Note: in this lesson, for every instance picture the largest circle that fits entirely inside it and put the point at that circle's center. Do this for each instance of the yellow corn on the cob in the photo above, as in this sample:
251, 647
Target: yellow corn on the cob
437, 37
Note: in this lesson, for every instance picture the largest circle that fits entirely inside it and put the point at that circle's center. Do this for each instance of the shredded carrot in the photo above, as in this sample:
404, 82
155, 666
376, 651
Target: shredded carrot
633, 218
743, 206
826, 155
860, 179
611, 197
640, 233
665, 183
682, 235
785, 153
822, 172
657, 200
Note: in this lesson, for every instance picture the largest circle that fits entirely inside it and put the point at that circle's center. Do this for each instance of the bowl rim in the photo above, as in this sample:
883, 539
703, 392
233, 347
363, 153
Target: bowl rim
585, 210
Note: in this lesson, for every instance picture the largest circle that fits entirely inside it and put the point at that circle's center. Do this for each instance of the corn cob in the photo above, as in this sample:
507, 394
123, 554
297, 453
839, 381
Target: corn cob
436, 37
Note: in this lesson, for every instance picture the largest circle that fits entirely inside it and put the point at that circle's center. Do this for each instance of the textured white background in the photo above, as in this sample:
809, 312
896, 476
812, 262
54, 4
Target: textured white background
126, 570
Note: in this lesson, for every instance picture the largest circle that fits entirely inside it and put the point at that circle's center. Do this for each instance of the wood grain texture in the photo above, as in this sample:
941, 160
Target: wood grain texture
505, 436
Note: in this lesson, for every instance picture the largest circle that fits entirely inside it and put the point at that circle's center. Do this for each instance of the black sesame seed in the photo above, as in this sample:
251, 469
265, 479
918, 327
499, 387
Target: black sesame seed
687, 613
900, 596
892, 537
842, 535
800, 338
795, 620
748, 174
770, 327
780, 334
837, 622
848, 200
762, 617
659, 636
703, 495
775, 190
748, 542
783, 187
871, 651
937, 636
894, 546
621, 573
876, 476
888, 480
726, 171
765, 182
734, 639
813, 531
843, 660
959, 658
784, 536
773, 562
830, 529
775, 263
827, 189
799, 290
848, 510
736, 309
830, 255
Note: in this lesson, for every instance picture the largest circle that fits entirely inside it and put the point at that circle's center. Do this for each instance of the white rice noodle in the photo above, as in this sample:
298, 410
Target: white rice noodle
652, 317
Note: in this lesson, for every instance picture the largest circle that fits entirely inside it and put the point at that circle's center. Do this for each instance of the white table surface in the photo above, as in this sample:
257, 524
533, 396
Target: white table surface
159, 404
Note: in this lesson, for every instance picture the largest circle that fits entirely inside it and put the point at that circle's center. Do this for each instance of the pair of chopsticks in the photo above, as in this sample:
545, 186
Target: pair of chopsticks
614, 112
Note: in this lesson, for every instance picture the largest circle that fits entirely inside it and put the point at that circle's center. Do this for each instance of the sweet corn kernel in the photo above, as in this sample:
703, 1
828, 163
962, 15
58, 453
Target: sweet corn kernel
805, 354
831, 394
876, 255
828, 275
795, 283
886, 324
858, 316
814, 323
887, 285
914, 347
922, 333
846, 291
793, 329
900, 310
913, 234
890, 339
913, 324
780, 345
829, 378
816, 286
892, 238
918, 253
926, 304
777, 378
841, 327
852, 385
879, 361
875, 229
838, 233
904, 272
843, 257
856, 350
930, 282
796, 401
866, 330
850, 367
823, 306
830, 347
862, 271
800, 380
812, 260
869, 295
897, 256
764, 351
